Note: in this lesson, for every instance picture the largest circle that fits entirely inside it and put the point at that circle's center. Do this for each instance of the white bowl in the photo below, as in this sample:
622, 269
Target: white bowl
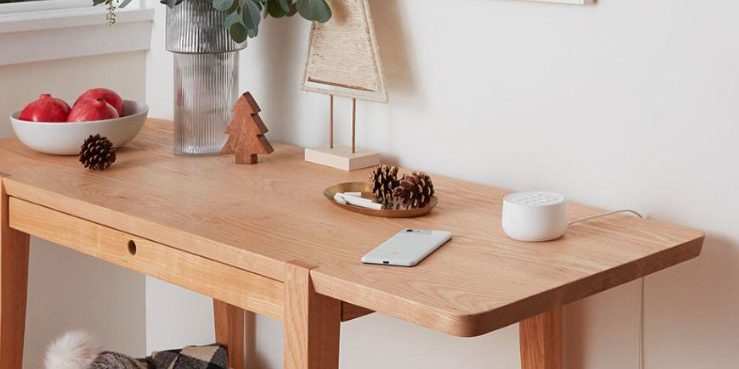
66, 138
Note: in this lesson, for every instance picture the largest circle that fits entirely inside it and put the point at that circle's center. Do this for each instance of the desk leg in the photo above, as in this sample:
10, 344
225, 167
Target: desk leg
229, 322
13, 289
541, 341
312, 323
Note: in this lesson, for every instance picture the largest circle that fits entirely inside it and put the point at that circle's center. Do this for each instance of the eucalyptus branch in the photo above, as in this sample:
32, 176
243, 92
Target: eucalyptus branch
110, 14
244, 16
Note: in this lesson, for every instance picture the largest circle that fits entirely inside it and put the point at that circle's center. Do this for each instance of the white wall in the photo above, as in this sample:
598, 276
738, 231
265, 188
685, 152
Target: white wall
68, 290
628, 103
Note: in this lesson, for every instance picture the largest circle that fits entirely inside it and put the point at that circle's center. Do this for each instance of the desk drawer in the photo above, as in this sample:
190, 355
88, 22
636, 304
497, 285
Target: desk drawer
234, 286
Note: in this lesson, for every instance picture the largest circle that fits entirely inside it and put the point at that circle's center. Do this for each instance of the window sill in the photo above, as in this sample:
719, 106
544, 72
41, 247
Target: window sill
66, 33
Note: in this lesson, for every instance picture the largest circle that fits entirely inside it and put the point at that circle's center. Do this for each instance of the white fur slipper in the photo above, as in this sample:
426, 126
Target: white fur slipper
73, 350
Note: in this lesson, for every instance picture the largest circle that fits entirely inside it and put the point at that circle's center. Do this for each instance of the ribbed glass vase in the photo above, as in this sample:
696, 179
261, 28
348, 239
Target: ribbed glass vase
206, 76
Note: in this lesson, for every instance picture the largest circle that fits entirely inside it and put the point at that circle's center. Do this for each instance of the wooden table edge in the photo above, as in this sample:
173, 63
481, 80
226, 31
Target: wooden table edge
304, 304
473, 325
448, 321
259, 264
348, 311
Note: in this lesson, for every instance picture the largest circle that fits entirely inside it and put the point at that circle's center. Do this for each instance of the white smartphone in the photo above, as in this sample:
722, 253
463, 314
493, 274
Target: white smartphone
407, 248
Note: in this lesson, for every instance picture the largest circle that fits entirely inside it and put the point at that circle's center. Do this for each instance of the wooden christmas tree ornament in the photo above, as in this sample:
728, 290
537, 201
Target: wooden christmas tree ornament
246, 132
344, 60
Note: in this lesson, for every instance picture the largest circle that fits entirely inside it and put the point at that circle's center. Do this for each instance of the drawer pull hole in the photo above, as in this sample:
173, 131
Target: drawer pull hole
132, 247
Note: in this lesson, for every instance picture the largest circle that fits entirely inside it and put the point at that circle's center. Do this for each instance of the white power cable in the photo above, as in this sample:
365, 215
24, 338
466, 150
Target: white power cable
606, 214
641, 284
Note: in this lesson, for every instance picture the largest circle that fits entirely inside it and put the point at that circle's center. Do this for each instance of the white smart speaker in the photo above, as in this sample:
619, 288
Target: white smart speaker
534, 216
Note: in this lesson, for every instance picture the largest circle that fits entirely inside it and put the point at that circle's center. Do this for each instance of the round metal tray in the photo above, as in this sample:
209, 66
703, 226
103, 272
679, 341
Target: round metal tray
390, 213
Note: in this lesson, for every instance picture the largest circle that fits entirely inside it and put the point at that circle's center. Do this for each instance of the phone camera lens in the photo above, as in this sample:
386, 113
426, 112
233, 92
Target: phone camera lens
409, 230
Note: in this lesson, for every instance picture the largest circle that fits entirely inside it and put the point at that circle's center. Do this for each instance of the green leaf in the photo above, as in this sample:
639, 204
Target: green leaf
124, 3
253, 32
231, 19
222, 5
250, 14
238, 32
276, 10
284, 4
171, 3
314, 10
97, 2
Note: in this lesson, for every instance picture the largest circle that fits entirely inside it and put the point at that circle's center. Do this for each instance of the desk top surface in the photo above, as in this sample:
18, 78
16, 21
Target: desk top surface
261, 216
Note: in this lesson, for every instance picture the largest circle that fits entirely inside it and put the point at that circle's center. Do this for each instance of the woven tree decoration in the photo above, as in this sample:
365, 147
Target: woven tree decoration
246, 132
343, 53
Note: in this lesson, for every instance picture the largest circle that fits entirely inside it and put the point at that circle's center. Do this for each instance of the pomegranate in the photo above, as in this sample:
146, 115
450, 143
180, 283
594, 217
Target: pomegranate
45, 109
90, 110
110, 96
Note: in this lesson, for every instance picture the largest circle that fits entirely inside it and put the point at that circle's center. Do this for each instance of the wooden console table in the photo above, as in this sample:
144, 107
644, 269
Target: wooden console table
263, 238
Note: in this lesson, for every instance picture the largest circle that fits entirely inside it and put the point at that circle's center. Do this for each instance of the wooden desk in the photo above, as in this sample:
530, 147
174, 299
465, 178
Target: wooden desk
264, 239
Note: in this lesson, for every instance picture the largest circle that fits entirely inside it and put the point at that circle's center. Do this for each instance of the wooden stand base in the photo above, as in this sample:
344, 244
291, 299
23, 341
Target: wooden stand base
341, 157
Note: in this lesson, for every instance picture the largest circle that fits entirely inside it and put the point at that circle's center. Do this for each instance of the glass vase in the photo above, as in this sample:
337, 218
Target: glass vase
206, 76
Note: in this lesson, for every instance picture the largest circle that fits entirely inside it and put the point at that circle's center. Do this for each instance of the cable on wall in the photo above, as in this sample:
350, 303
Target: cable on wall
641, 283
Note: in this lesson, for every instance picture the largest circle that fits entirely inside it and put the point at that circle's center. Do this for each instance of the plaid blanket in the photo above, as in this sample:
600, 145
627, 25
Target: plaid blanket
191, 357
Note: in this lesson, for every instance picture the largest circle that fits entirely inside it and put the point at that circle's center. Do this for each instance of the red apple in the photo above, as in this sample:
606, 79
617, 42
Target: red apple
110, 96
90, 110
45, 109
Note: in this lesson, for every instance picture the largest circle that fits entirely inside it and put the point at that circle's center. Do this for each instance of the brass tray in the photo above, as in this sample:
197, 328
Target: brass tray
390, 213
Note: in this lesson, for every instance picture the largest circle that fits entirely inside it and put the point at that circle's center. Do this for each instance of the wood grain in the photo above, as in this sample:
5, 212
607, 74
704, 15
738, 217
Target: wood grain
312, 322
246, 132
258, 218
229, 326
222, 282
541, 341
354, 126
14, 251
331, 125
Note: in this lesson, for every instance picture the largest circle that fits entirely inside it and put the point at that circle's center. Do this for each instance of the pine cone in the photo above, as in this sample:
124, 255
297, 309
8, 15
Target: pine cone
415, 191
97, 153
382, 181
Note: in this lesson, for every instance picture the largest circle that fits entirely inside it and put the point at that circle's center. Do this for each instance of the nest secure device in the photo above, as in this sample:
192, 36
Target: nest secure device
534, 216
